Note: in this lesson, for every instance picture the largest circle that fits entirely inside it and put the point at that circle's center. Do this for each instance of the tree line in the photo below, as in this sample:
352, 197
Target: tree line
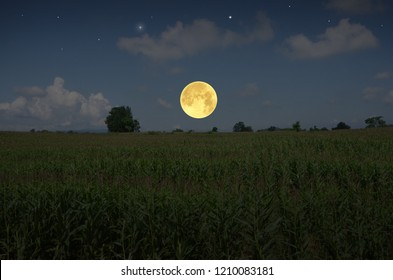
371, 122
120, 119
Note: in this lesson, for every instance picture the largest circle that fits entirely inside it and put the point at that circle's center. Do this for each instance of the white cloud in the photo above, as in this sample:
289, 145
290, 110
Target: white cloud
95, 108
383, 75
183, 40
57, 95
355, 6
14, 107
250, 89
345, 37
164, 103
40, 108
57, 107
371, 93
33, 90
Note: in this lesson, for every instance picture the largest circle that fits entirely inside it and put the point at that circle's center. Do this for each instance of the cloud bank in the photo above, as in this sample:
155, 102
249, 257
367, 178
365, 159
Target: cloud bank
33, 90
183, 40
343, 38
54, 108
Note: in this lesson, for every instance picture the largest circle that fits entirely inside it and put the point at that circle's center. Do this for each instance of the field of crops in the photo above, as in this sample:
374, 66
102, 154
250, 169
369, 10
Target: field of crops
278, 195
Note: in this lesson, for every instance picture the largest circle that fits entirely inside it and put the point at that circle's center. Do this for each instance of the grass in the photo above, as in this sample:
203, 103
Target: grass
283, 195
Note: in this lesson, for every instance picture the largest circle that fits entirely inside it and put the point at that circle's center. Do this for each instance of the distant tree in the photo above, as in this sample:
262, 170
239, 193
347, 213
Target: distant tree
137, 126
248, 129
120, 120
273, 128
315, 128
296, 126
177, 130
32, 130
241, 127
341, 125
373, 122
214, 129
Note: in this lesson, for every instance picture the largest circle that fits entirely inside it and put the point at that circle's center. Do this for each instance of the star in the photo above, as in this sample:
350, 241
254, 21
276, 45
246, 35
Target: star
140, 27
58, 17
98, 39
230, 17
328, 21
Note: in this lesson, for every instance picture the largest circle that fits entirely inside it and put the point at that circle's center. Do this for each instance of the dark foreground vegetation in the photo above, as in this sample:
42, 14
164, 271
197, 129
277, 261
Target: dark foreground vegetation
283, 195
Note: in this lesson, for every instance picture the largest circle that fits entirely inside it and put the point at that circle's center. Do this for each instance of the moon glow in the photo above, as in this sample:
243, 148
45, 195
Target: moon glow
198, 100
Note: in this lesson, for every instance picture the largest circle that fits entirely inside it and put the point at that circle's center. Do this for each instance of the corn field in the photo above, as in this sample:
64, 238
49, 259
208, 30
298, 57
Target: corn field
280, 195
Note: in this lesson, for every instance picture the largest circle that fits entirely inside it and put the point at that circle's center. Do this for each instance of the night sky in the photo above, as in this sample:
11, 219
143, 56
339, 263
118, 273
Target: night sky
64, 64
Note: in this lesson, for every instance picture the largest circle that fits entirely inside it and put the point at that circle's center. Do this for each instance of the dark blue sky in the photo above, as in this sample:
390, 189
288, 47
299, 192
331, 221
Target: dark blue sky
64, 64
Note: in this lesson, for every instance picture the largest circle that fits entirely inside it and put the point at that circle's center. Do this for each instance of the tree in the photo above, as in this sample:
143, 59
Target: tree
296, 126
214, 129
241, 127
137, 126
373, 122
273, 128
341, 125
120, 120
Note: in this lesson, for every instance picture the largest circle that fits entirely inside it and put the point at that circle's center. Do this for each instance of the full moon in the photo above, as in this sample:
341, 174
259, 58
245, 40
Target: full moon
198, 100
